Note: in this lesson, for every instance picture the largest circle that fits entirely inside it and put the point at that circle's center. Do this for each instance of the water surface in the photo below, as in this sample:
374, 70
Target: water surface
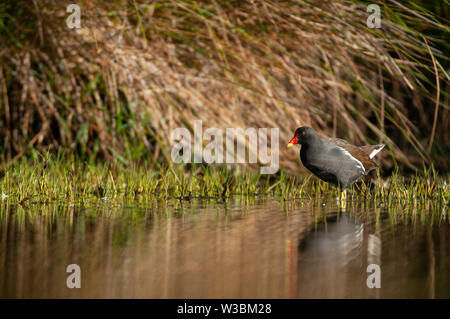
238, 248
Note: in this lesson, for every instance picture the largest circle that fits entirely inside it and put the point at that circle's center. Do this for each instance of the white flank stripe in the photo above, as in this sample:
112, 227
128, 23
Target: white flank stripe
375, 152
358, 163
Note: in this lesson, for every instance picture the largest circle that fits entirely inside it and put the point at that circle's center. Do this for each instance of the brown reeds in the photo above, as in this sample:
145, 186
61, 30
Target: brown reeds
134, 71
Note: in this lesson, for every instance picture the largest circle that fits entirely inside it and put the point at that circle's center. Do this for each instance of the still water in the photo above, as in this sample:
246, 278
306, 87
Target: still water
240, 248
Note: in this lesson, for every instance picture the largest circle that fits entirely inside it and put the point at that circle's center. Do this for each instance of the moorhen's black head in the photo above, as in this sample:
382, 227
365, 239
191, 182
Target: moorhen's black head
303, 135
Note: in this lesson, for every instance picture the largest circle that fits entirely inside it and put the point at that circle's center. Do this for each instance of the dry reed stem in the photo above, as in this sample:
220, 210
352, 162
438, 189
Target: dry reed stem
133, 73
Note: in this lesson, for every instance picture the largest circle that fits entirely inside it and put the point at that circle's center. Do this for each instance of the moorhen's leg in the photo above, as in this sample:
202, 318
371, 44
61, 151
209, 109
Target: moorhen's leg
343, 200
343, 196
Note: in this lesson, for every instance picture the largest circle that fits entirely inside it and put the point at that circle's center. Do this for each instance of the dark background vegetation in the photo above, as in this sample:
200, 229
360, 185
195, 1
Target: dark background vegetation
115, 89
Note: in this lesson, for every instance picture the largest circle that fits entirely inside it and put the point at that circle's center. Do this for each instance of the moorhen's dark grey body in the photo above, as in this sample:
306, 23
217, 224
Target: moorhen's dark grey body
334, 160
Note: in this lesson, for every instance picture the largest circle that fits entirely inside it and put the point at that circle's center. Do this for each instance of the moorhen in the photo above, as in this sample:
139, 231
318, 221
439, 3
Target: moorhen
334, 160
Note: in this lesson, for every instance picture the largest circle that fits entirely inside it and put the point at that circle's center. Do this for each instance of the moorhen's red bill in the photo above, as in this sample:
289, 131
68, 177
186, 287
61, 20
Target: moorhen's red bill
334, 160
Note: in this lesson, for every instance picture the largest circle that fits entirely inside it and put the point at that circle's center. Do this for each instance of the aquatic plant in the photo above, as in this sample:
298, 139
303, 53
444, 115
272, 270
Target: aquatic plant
49, 178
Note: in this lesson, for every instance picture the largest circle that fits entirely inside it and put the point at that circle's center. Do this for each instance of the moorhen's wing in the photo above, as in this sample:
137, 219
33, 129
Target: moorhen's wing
361, 153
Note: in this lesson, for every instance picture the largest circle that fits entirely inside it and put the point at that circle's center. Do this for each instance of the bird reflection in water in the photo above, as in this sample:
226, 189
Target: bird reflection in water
334, 255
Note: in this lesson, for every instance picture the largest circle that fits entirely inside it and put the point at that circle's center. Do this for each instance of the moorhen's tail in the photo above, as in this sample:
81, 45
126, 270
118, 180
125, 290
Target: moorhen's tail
373, 150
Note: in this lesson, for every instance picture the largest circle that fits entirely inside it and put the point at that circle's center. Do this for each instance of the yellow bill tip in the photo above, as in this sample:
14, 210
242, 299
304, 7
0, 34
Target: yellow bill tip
290, 144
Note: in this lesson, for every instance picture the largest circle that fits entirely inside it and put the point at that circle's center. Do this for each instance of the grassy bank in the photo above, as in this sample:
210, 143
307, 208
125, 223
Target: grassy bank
48, 179
116, 88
